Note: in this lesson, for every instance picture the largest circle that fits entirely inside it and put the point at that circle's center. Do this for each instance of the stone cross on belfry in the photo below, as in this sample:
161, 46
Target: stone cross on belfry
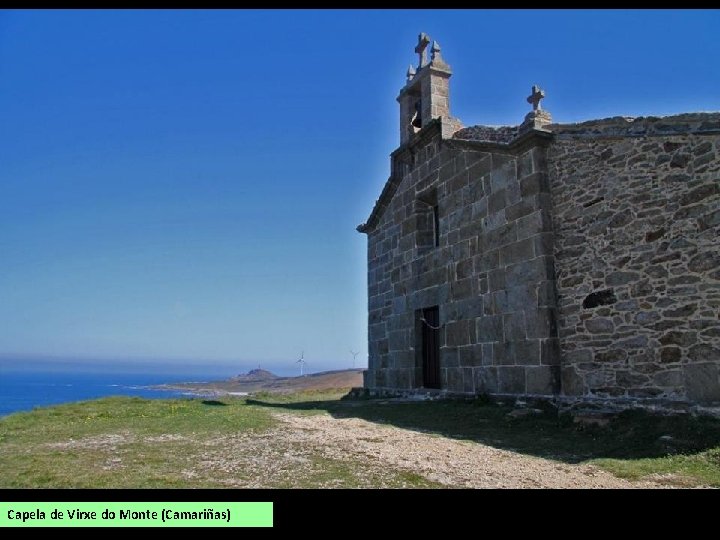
423, 42
535, 97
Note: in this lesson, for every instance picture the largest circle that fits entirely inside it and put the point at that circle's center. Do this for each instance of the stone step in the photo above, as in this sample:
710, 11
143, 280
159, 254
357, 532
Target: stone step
597, 417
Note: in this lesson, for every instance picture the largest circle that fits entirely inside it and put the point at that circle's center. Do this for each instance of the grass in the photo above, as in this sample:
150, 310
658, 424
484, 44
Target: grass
123, 442
303, 396
229, 442
681, 470
334, 473
117, 441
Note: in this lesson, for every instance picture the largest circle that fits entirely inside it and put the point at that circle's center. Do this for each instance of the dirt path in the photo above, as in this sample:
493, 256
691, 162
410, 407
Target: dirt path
320, 450
447, 461
278, 456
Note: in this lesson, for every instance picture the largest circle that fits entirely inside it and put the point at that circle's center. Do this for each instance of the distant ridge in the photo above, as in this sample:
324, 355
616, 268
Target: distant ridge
257, 380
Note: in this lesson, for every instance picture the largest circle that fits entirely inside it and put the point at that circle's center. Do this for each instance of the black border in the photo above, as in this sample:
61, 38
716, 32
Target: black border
375, 512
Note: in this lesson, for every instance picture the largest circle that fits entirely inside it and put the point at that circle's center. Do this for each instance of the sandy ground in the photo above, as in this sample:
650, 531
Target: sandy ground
447, 461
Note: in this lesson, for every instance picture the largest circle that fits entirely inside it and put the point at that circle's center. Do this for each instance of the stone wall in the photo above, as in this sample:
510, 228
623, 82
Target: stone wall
583, 260
636, 216
492, 274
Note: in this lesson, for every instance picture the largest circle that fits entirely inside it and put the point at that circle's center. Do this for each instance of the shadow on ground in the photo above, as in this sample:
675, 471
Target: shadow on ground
631, 435
213, 403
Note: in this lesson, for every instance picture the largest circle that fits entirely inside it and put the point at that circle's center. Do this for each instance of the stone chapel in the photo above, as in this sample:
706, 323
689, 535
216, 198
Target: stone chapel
574, 262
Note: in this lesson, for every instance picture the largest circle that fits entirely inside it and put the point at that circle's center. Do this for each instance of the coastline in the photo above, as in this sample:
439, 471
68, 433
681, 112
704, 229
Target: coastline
263, 381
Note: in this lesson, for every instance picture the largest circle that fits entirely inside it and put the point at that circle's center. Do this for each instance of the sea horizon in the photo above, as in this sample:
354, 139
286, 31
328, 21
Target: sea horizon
27, 384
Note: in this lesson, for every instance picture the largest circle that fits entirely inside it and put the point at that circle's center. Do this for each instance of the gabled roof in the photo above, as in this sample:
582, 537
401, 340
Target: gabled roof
479, 138
431, 129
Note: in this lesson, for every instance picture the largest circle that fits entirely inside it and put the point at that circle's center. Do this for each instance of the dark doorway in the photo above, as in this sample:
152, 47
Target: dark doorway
431, 347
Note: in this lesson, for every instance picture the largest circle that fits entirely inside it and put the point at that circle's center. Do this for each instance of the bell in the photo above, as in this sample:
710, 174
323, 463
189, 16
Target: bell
417, 119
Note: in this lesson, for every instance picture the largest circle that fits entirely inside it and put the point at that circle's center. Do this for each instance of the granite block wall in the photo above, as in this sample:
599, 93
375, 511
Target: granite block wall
579, 260
492, 274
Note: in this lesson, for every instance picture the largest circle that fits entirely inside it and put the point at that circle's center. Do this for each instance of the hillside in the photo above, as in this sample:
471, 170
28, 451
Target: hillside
260, 380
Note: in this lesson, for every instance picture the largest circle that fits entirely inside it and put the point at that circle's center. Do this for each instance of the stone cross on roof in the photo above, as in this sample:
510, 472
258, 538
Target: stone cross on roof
535, 97
423, 42
537, 118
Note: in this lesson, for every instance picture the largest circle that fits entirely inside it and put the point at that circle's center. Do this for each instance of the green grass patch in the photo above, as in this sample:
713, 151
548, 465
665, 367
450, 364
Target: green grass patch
125, 442
304, 396
333, 473
118, 441
683, 470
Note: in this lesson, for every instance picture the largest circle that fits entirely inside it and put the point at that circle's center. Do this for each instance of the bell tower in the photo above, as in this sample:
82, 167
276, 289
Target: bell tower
425, 95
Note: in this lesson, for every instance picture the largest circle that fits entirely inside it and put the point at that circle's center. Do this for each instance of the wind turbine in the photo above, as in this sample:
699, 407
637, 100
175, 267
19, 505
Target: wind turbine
302, 362
354, 356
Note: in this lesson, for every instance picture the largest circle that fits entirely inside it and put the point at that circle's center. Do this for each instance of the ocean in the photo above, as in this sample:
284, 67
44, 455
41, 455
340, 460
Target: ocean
23, 390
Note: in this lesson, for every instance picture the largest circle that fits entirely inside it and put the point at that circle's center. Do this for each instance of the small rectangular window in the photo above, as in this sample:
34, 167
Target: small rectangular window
428, 220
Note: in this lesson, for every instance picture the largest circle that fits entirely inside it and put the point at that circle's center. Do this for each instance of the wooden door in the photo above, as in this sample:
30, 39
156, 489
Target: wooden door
431, 347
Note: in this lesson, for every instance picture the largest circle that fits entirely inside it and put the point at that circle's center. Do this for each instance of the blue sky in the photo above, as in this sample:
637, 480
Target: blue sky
185, 185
